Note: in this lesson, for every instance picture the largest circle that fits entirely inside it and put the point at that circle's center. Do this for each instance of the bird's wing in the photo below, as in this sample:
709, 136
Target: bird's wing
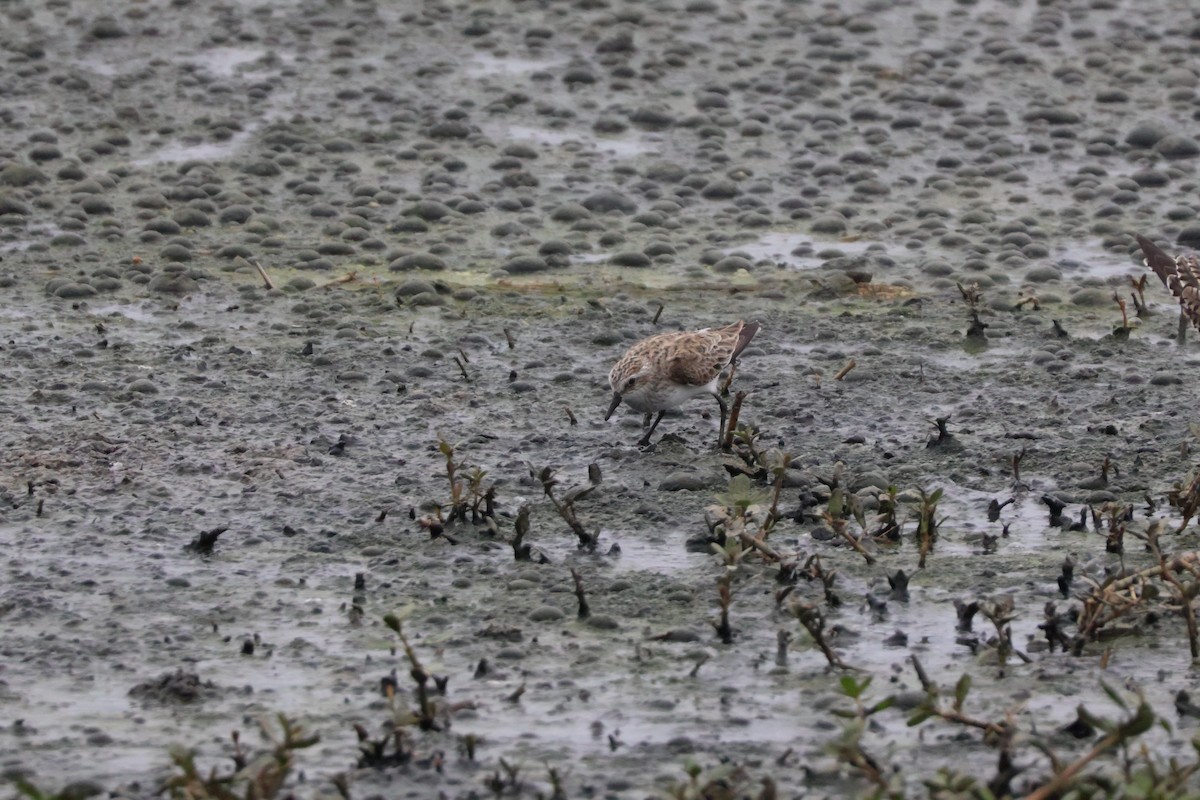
1181, 275
698, 357
1163, 265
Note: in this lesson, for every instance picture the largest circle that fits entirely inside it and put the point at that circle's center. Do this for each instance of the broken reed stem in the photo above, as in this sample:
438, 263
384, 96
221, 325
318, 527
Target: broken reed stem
725, 599
1185, 598
844, 371
584, 611
262, 273
731, 425
347, 278
749, 541
1052, 787
1183, 561
814, 622
840, 528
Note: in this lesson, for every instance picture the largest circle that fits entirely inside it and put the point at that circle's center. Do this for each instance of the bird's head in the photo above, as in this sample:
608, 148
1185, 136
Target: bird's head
627, 380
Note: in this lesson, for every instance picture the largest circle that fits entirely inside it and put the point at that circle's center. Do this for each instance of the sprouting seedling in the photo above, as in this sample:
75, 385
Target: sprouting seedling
739, 521
848, 747
887, 523
1139, 293
1001, 614
973, 297
1123, 331
509, 781
971, 294
1115, 516
814, 568
483, 499
927, 523
521, 550
566, 505
777, 463
724, 600
742, 497
813, 620
458, 505
261, 778
425, 716
725, 780
835, 520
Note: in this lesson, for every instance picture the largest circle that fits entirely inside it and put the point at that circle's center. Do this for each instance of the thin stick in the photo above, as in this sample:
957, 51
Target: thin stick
1063, 778
347, 278
731, 425
262, 273
584, 611
844, 371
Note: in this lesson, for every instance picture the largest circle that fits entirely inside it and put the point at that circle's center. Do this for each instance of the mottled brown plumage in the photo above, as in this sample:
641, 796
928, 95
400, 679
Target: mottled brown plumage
1180, 274
664, 371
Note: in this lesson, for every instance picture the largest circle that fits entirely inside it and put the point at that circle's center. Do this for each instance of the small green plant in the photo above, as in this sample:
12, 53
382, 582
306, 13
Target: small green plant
458, 504
724, 782
741, 520
565, 506
848, 747
927, 523
812, 619
835, 520
260, 777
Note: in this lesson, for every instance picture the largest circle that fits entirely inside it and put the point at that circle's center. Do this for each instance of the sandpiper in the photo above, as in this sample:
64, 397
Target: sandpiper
665, 371
1181, 275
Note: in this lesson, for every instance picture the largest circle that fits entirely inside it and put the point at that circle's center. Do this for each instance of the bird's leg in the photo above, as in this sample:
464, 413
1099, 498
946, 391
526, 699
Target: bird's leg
646, 419
1183, 326
725, 384
645, 440
724, 417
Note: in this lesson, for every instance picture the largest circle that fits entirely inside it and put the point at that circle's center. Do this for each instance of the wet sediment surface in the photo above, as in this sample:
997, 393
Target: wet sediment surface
468, 215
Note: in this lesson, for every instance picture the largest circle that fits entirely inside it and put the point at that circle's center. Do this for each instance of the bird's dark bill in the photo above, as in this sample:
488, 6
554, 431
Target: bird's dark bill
616, 401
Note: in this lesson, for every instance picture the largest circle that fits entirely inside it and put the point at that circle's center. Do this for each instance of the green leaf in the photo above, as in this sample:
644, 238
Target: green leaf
1100, 723
1139, 724
28, 789
850, 687
1114, 695
835, 503
392, 621
919, 717
961, 689
882, 705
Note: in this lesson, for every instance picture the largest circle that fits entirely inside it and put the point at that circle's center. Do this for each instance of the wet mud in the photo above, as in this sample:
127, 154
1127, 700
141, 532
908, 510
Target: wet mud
214, 490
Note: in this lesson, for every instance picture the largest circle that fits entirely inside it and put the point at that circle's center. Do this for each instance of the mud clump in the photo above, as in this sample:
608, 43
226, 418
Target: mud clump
175, 687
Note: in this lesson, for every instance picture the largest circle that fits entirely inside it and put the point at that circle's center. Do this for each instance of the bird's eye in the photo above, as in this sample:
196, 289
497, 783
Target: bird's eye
629, 383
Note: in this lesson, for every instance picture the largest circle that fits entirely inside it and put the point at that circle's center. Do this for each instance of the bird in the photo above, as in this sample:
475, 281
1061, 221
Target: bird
664, 371
1181, 275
